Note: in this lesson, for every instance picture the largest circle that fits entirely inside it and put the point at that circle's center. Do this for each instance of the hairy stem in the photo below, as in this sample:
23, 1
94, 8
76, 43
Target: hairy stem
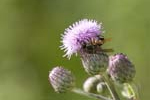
111, 88
92, 95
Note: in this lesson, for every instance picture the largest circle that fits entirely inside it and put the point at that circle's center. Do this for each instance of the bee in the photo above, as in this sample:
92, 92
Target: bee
94, 45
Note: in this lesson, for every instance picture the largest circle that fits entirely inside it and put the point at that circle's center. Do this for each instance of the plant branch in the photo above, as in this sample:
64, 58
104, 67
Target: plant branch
111, 88
92, 95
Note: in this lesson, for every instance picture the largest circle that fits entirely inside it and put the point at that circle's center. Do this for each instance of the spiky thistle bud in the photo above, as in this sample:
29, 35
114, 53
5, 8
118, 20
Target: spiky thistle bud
94, 63
61, 79
121, 68
90, 83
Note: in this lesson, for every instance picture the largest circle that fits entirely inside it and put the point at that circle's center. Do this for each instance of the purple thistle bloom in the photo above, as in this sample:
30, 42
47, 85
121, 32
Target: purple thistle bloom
79, 33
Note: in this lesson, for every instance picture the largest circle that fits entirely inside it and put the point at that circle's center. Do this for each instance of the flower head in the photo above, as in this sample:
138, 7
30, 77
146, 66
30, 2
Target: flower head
79, 33
61, 79
94, 63
120, 68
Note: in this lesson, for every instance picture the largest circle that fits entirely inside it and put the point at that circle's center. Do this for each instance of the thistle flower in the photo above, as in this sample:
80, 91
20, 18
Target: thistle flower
61, 79
120, 68
79, 33
94, 63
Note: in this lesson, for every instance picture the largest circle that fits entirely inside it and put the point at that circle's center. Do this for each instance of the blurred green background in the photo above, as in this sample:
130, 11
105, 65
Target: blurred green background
30, 39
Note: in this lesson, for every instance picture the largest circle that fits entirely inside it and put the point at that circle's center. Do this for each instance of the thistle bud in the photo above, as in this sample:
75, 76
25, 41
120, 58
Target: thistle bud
91, 83
120, 68
94, 63
128, 92
61, 79
101, 87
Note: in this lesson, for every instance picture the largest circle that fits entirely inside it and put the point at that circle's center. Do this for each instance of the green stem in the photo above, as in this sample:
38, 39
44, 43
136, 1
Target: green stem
131, 91
92, 95
111, 88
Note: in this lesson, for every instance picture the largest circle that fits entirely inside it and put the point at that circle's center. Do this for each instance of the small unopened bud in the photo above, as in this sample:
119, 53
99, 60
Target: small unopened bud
120, 68
91, 83
94, 63
101, 87
61, 79
128, 92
